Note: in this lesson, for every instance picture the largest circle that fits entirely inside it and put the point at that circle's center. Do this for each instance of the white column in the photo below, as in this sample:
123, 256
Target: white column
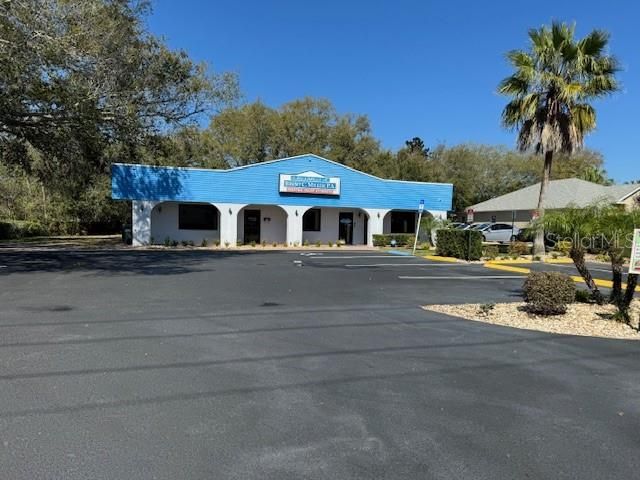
141, 222
294, 223
375, 223
229, 223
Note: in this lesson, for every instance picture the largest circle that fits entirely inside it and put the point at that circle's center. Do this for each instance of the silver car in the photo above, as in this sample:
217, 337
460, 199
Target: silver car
498, 232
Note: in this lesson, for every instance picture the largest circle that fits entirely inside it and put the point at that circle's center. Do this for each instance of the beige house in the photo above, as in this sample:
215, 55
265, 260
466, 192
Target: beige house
520, 206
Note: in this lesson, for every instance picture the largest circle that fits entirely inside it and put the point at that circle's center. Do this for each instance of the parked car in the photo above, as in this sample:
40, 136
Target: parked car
474, 226
498, 232
457, 225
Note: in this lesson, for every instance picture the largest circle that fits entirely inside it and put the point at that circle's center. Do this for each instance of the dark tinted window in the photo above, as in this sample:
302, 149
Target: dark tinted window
311, 220
197, 217
403, 222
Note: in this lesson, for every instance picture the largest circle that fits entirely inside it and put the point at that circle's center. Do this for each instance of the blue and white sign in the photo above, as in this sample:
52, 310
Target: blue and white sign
421, 206
310, 183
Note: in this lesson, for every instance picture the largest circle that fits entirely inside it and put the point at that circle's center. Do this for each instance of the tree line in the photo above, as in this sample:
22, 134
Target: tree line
85, 84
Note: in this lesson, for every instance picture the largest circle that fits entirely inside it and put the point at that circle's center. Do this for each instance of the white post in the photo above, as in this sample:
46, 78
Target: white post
375, 225
294, 223
415, 240
229, 223
141, 222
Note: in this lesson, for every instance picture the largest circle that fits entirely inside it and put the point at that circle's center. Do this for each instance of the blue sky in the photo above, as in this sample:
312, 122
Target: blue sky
416, 68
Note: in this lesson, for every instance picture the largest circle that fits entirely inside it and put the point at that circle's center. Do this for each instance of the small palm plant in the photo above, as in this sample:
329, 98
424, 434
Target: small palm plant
615, 227
576, 226
551, 89
429, 225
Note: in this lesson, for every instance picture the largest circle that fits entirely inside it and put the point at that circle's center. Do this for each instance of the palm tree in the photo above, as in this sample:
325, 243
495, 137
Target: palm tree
550, 91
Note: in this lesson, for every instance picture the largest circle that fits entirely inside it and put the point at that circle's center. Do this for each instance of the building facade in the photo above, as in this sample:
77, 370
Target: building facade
520, 206
291, 201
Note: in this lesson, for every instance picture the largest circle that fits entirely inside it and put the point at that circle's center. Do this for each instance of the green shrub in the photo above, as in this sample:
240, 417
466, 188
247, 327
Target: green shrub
583, 296
491, 252
466, 244
318, 244
401, 239
204, 242
167, 241
519, 249
184, 243
563, 246
217, 243
264, 243
548, 293
12, 229
275, 244
253, 243
486, 308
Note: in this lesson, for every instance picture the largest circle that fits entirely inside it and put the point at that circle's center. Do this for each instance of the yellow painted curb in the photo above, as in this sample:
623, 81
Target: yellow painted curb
507, 261
558, 260
498, 266
438, 258
506, 268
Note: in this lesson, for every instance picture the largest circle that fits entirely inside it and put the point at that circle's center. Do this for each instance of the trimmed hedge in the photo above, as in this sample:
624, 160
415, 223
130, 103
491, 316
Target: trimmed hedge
465, 244
402, 239
12, 229
548, 293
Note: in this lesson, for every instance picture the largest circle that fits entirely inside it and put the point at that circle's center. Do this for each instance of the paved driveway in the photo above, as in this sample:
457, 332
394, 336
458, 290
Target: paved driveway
194, 365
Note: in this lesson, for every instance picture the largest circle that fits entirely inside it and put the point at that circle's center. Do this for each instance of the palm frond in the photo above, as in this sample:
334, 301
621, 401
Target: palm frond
594, 43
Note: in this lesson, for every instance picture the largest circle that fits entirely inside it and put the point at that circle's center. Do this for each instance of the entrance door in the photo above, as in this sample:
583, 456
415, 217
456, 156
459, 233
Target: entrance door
365, 241
251, 226
345, 227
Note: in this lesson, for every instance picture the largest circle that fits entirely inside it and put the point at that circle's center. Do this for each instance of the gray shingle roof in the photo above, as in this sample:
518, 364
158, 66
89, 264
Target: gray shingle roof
561, 193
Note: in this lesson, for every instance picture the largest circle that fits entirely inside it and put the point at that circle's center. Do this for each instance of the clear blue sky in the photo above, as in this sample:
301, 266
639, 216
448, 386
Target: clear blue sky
416, 68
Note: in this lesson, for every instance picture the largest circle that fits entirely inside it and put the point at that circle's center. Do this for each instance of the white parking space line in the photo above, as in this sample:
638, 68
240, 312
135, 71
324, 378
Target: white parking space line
590, 269
479, 277
399, 257
355, 265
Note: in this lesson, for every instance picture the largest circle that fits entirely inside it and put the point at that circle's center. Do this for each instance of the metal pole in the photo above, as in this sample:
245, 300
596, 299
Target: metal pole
415, 241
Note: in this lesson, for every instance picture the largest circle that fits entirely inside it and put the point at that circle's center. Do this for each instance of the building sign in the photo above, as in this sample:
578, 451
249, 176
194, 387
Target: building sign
311, 183
634, 263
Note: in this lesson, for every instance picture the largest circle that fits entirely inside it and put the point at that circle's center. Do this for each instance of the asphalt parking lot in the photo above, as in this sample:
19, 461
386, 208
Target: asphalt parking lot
200, 365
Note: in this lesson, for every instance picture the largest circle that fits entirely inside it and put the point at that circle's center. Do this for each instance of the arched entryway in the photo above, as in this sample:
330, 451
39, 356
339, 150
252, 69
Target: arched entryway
329, 224
262, 223
185, 222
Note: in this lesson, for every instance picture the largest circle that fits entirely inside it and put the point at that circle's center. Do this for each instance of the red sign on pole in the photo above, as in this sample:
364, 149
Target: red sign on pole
470, 213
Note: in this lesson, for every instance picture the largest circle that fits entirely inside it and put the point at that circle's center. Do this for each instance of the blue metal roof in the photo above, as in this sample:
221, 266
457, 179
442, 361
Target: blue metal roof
259, 184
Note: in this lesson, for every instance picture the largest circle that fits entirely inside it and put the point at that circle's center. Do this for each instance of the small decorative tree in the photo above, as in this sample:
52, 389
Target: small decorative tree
577, 226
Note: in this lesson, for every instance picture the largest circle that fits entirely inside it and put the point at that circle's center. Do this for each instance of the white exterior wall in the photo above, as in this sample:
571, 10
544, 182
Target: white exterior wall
376, 223
274, 230
329, 226
165, 223
141, 222
158, 220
